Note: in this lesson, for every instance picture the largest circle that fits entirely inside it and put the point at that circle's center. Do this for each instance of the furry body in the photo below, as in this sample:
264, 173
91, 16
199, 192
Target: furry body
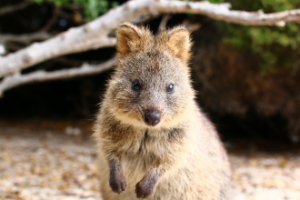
181, 157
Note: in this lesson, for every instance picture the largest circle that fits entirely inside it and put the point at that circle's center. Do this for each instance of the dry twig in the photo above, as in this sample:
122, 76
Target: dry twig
42, 76
51, 20
13, 8
163, 23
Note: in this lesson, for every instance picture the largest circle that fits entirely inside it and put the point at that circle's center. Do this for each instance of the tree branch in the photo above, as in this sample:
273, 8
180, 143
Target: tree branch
222, 12
94, 34
42, 76
74, 40
13, 8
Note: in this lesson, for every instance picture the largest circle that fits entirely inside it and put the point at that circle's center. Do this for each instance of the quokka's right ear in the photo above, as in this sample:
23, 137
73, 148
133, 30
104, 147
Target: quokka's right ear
179, 42
130, 39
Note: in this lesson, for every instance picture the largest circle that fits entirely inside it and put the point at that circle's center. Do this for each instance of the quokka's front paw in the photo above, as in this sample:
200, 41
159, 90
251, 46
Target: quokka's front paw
118, 183
144, 188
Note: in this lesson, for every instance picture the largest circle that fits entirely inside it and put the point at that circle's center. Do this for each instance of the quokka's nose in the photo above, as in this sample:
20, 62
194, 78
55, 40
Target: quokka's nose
152, 117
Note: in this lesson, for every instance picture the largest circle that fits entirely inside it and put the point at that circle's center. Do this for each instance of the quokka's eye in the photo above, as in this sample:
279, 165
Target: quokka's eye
136, 86
170, 88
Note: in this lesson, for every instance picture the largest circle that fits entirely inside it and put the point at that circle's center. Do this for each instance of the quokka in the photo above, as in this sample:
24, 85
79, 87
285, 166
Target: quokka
153, 140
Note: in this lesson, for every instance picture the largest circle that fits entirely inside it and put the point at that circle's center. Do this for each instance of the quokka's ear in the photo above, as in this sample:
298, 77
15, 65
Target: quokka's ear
179, 42
130, 39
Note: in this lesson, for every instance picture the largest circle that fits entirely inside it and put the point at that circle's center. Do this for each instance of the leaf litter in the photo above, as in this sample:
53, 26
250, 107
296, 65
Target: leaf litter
45, 159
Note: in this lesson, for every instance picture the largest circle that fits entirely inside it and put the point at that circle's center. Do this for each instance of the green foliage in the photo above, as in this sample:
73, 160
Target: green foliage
276, 46
216, 1
92, 8
273, 44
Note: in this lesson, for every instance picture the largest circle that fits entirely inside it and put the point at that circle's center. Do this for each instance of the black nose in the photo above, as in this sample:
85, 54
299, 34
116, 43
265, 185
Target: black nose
152, 117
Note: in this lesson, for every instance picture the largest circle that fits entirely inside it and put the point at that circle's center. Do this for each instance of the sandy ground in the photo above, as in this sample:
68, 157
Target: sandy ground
56, 160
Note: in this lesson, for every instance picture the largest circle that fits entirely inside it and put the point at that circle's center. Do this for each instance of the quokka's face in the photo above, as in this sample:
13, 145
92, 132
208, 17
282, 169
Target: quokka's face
151, 86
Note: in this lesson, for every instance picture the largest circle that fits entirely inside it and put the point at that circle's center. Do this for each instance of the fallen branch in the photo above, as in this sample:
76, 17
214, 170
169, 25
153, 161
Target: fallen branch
222, 12
90, 36
42, 76
94, 35
78, 39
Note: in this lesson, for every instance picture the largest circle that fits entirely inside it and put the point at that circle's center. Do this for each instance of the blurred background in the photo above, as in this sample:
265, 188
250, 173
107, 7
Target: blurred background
247, 78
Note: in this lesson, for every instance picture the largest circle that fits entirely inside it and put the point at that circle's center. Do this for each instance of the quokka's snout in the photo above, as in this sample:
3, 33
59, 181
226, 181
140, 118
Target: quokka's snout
152, 116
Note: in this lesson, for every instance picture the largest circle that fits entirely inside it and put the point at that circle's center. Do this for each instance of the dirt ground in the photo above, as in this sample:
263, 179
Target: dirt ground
56, 160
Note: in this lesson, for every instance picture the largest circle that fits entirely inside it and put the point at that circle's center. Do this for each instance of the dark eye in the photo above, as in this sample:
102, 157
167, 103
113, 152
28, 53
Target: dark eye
136, 86
170, 88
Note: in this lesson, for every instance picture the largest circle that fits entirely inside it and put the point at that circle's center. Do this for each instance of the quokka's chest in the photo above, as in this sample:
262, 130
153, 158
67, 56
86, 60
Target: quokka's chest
142, 145
146, 146
151, 145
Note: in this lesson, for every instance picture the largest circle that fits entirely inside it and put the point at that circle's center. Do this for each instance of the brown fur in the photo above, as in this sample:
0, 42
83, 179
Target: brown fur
179, 158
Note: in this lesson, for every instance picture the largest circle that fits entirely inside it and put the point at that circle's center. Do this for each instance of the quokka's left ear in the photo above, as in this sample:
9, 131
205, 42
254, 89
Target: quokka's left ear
179, 42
